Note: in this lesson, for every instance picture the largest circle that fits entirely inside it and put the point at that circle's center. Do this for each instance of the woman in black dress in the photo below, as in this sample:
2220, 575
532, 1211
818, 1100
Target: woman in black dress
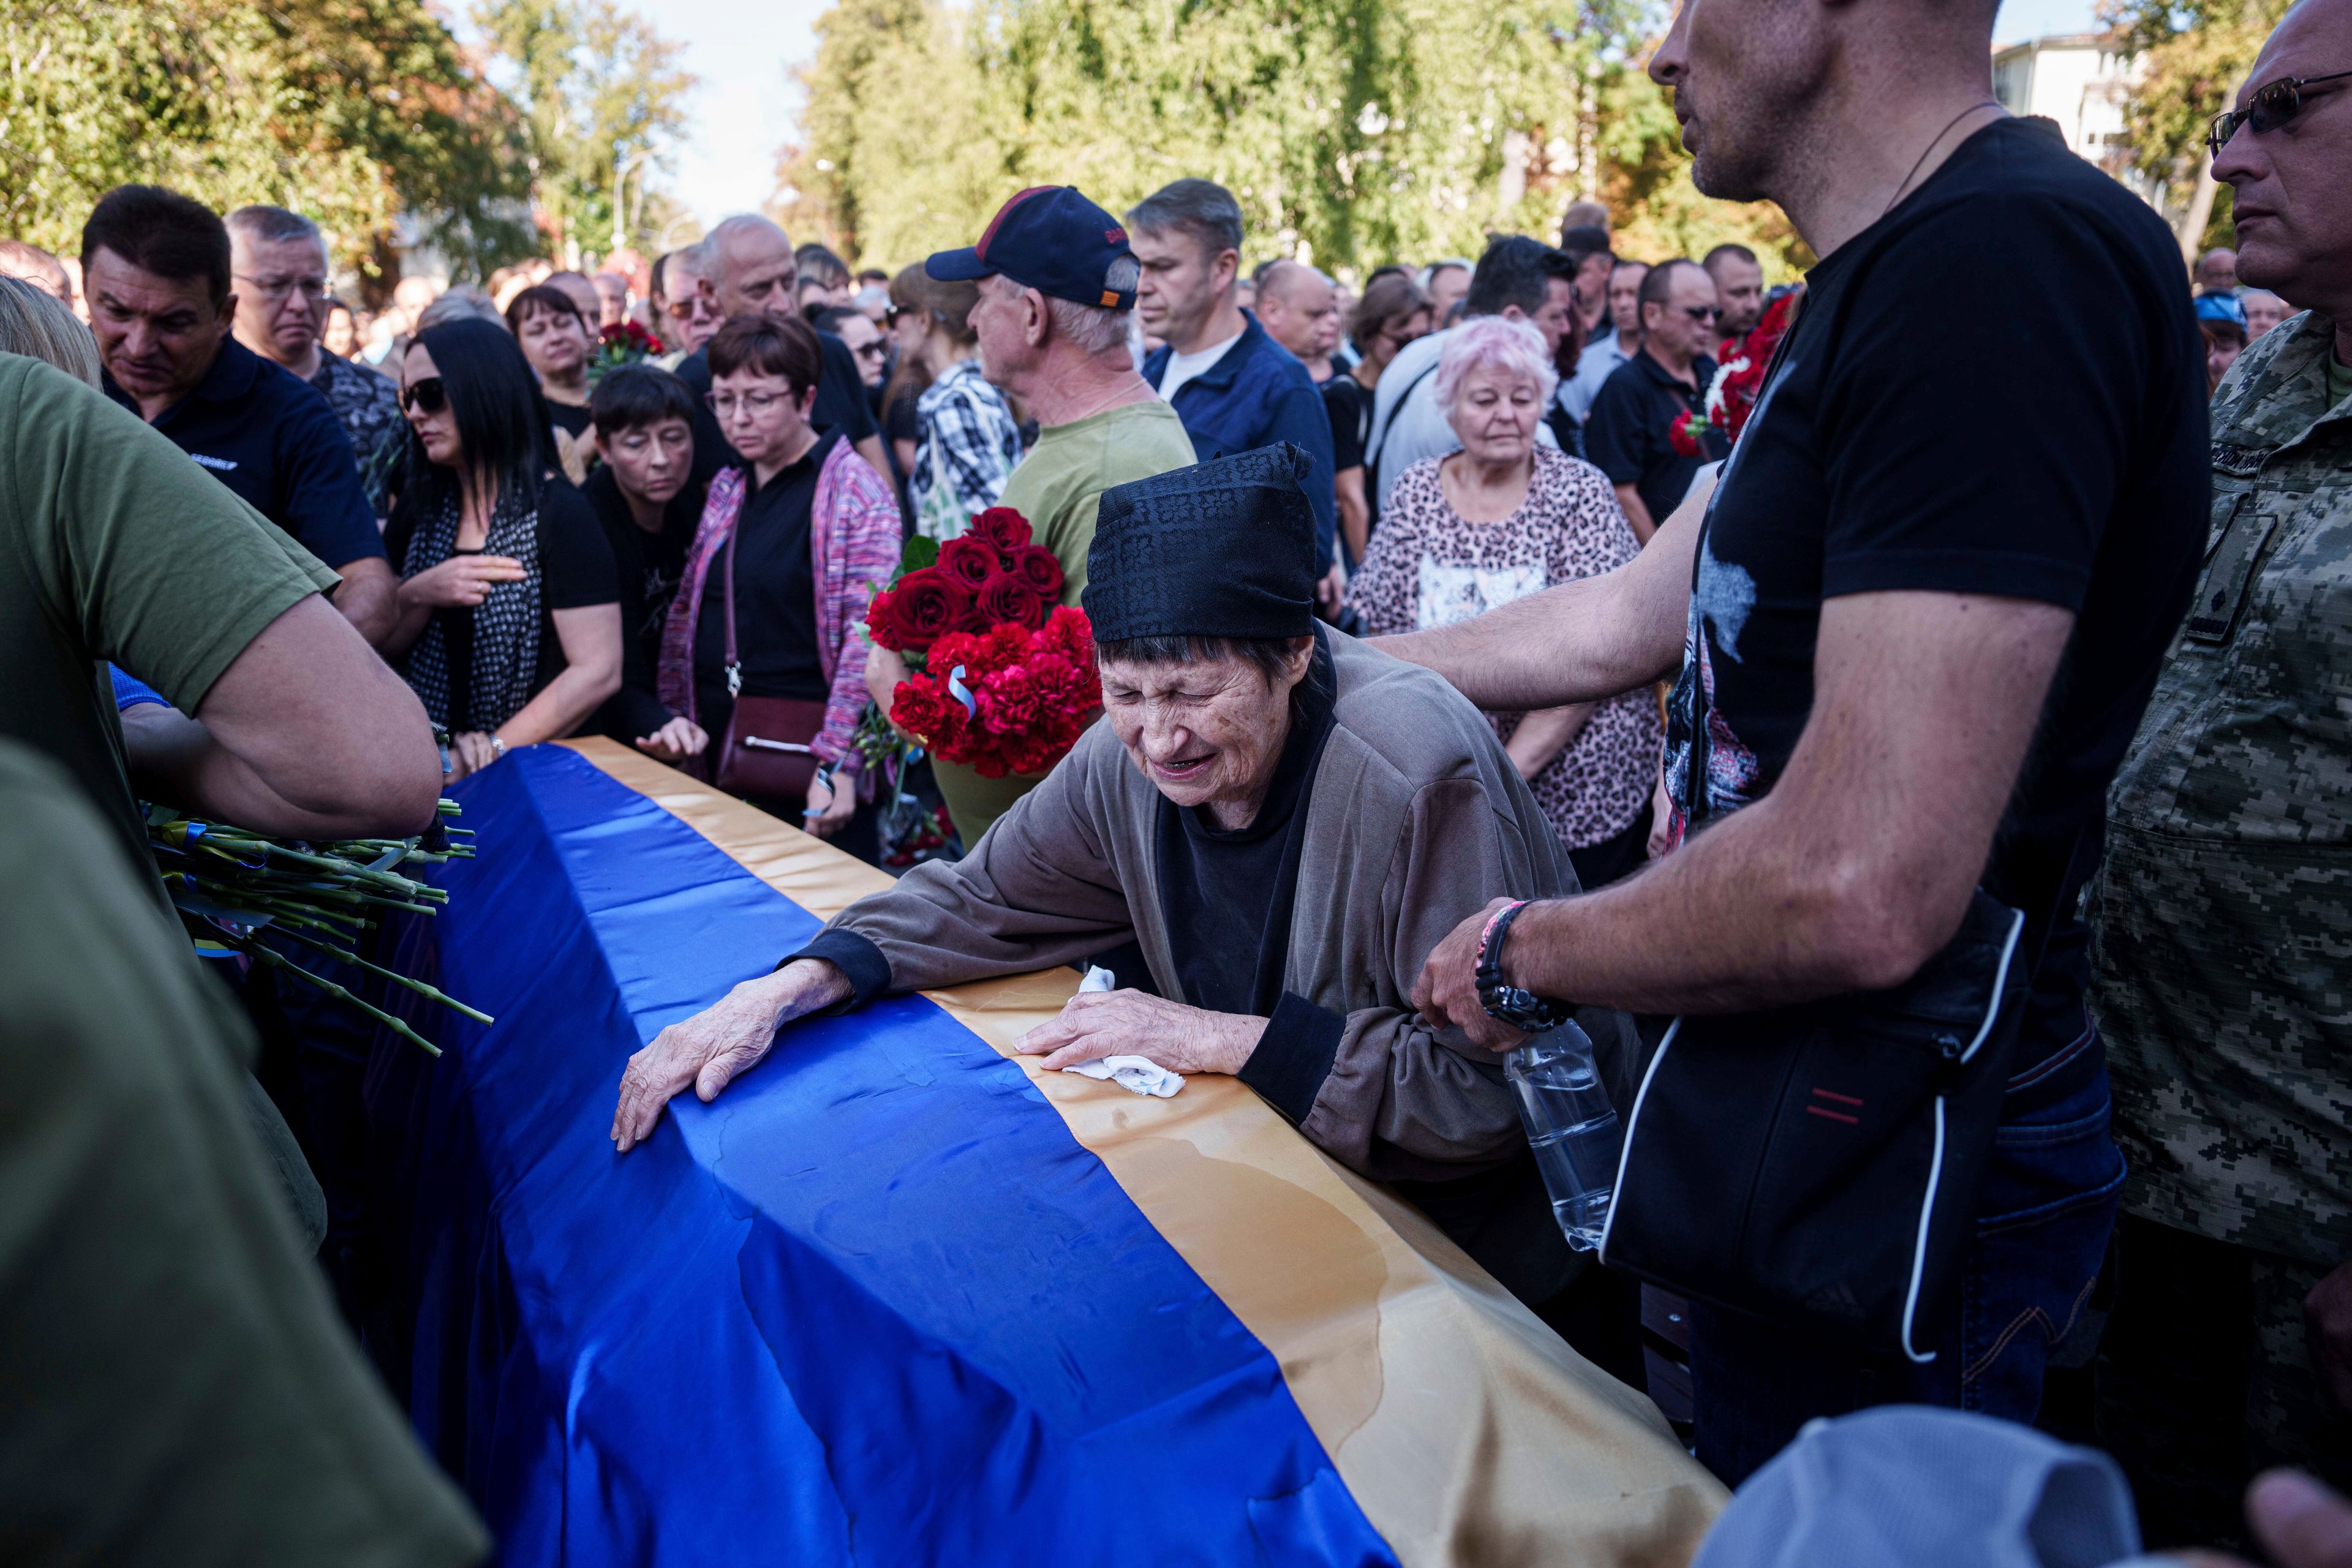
509, 628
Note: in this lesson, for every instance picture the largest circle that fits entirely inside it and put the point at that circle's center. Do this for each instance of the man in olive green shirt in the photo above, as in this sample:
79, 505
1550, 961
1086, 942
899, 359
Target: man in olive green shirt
181, 1392
1056, 307
178, 1387
115, 548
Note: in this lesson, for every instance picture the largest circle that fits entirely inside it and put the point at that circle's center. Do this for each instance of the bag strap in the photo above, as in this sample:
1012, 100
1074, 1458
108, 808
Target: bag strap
734, 664
1384, 432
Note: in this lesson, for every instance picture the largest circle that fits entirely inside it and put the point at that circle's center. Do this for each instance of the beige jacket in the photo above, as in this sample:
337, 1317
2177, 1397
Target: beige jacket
1417, 819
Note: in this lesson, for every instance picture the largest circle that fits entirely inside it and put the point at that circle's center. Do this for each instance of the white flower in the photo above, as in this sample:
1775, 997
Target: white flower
1723, 373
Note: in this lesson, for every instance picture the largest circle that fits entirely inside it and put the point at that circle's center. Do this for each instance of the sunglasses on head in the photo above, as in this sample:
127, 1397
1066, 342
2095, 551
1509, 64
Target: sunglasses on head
2273, 105
426, 396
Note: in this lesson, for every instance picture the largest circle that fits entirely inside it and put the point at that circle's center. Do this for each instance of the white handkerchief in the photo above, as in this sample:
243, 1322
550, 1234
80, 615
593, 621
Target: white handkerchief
1139, 1074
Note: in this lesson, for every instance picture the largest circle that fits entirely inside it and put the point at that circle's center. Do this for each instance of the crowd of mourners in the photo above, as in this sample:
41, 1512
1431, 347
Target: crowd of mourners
1468, 663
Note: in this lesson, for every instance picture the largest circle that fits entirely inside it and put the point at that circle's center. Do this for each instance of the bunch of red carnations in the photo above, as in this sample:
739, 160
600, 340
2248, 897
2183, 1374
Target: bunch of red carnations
624, 342
999, 677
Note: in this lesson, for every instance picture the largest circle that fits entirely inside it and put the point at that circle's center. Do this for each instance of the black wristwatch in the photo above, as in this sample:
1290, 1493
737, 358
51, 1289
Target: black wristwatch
1522, 1010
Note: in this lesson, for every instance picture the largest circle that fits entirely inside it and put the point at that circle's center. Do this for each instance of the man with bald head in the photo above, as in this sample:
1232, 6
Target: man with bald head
1874, 631
2224, 904
31, 264
1299, 309
2217, 271
751, 267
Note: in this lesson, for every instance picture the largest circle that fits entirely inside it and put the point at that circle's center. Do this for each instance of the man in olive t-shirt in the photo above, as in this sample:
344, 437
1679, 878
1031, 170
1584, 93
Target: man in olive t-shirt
1058, 286
178, 1387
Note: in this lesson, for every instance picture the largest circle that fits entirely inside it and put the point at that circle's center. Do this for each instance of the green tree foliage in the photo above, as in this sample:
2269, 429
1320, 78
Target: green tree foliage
351, 111
2192, 55
602, 99
1352, 131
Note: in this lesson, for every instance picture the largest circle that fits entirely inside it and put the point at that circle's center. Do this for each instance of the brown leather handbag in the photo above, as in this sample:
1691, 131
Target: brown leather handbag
768, 748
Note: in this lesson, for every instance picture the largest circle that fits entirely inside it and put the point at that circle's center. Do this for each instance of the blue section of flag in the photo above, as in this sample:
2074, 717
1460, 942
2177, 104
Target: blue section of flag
875, 1305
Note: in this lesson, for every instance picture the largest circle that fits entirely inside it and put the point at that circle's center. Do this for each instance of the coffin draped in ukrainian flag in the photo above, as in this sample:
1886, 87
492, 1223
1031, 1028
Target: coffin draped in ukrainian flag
899, 1298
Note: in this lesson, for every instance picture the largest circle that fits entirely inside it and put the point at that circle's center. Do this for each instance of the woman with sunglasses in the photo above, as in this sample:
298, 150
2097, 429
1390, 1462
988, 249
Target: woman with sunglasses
510, 625
1392, 313
772, 604
965, 441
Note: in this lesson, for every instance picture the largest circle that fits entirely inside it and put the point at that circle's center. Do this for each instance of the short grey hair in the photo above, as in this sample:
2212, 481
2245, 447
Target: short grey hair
1201, 208
1091, 329
273, 225
464, 302
34, 324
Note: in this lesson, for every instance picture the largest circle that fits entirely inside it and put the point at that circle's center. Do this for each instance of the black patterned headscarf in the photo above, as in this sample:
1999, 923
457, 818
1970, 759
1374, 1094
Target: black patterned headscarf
1222, 549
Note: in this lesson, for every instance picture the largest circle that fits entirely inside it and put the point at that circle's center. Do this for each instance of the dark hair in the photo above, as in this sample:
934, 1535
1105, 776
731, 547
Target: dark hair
829, 318
1584, 242
770, 344
1625, 261
630, 395
543, 296
1201, 208
661, 264
1659, 286
1393, 270
2223, 331
1737, 252
162, 232
502, 423
813, 263
1515, 270
1268, 656
1385, 299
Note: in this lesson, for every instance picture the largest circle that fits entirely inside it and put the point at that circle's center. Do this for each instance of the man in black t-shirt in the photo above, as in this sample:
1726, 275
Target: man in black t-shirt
1922, 665
1631, 435
752, 268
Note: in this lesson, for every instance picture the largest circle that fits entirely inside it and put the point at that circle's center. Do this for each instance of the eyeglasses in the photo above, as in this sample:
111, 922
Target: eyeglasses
310, 289
874, 349
1705, 315
426, 396
755, 404
2274, 104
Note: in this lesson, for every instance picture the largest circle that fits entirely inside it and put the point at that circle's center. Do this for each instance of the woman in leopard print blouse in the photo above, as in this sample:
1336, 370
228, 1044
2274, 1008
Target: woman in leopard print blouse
1501, 519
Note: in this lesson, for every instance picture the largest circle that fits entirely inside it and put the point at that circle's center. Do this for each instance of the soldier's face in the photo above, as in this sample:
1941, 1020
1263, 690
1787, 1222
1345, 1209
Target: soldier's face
2295, 226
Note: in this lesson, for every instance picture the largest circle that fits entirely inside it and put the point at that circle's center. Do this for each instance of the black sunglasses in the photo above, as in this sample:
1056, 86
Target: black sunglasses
2274, 104
426, 396
1703, 314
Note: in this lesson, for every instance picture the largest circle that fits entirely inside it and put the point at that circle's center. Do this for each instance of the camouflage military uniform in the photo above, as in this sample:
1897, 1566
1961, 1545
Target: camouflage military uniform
2221, 932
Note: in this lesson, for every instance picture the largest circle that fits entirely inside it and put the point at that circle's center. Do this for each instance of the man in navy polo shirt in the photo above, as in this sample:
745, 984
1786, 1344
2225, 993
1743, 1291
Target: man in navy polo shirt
1234, 387
155, 270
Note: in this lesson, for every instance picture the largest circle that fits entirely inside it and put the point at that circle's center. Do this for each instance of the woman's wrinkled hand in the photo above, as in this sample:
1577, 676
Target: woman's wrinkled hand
461, 582
674, 742
1097, 1024
1446, 995
710, 1051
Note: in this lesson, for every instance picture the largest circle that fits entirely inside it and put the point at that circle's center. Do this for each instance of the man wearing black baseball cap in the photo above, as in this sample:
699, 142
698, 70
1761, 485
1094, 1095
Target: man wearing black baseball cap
1056, 315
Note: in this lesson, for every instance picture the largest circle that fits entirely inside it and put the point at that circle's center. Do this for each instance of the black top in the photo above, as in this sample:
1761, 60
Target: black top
775, 598
647, 567
840, 405
1227, 896
274, 439
1627, 436
901, 422
1351, 408
571, 418
2055, 449
575, 571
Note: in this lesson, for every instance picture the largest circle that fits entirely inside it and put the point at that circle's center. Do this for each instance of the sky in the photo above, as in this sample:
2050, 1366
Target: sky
744, 110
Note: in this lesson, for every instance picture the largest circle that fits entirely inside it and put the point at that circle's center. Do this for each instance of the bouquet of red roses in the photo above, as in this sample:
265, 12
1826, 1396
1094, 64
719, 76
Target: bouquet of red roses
624, 342
999, 676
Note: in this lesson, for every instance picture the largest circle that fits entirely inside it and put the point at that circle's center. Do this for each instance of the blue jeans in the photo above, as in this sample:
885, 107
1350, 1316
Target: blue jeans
2043, 1217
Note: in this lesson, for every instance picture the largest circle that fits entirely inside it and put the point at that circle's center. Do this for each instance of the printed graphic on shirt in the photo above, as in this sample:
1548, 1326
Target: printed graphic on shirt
1450, 593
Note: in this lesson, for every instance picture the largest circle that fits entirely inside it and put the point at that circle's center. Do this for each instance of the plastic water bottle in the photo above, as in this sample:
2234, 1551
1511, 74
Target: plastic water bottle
1572, 1127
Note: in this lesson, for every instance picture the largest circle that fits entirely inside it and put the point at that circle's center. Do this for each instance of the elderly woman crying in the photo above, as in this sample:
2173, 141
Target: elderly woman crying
1284, 820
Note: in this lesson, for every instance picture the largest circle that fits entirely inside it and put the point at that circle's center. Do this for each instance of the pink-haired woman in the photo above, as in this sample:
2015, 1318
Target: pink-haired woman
1499, 520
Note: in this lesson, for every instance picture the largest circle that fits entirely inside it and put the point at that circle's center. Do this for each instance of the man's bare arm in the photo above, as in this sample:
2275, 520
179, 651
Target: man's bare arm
1584, 641
1854, 869
326, 726
369, 598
